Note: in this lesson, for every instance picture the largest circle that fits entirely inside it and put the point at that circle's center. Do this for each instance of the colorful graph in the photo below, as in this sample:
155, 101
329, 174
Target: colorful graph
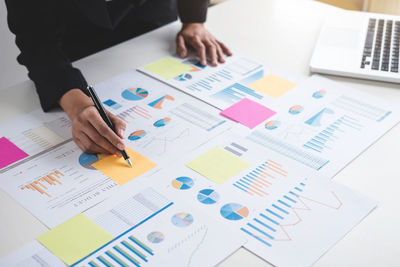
182, 219
155, 237
287, 149
41, 185
86, 160
184, 77
315, 120
136, 135
256, 182
158, 102
182, 183
272, 125
319, 94
162, 122
327, 137
208, 196
234, 211
134, 94
112, 104
134, 112
297, 109
270, 225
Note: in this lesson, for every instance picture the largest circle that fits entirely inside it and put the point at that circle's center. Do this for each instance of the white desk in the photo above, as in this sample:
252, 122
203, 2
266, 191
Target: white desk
277, 32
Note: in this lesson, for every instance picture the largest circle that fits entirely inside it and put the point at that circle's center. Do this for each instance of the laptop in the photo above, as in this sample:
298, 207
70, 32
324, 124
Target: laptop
360, 45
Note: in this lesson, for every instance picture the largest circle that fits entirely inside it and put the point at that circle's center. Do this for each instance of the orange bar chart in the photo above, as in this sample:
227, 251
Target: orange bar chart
42, 184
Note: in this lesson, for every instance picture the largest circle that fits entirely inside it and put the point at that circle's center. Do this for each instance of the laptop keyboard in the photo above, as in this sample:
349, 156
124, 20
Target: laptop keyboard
382, 44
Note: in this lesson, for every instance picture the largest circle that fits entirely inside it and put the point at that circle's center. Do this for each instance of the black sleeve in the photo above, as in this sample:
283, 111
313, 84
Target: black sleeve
191, 11
38, 26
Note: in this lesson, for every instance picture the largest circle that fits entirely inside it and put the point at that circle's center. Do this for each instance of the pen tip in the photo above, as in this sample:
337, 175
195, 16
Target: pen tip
129, 162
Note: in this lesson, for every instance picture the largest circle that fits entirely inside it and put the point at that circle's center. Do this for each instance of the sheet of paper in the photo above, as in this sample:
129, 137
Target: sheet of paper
325, 125
32, 255
161, 232
118, 169
9, 153
228, 83
167, 68
57, 184
290, 215
218, 165
75, 239
248, 113
272, 85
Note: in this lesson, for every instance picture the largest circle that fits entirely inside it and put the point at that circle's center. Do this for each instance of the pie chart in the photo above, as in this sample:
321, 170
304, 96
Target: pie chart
134, 94
182, 183
136, 135
296, 109
182, 219
155, 237
86, 160
319, 94
208, 196
234, 211
272, 125
162, 122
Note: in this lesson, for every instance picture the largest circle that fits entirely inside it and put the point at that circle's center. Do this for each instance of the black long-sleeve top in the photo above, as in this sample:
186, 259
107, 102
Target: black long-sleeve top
41, 28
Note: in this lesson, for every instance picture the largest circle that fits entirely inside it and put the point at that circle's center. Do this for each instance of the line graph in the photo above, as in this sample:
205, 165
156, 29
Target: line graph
162, 142
271, 225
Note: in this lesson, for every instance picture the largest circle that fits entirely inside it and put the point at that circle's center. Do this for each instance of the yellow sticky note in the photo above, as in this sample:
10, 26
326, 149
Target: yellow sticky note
118, 170
75, 239
272, 85
218, 165
168, 68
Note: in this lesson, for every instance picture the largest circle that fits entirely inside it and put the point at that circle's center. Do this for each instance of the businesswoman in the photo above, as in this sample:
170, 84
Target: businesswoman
53, 33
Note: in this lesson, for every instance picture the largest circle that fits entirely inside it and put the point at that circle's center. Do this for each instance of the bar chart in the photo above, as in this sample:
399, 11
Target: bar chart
288, 150
257, 181
42, 184
134, 112
326, 138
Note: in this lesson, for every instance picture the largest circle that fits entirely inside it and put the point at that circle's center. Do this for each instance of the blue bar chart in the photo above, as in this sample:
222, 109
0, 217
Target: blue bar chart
288, 150
268, 223
327, 137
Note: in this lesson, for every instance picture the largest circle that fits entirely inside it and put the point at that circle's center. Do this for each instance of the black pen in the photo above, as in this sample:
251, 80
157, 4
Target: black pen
107, 120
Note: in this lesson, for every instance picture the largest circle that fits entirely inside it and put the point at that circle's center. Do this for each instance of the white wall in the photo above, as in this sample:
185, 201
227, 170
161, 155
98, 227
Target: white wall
10, 71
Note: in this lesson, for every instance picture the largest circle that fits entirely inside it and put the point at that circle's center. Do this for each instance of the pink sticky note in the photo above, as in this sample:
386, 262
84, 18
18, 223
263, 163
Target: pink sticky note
9, 153
248, 113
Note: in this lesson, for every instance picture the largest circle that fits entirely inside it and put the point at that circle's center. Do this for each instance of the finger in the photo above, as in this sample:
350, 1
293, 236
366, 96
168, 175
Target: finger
88, 146
181, 47
201, 50
225, 49
99, 140
120, 125
102, 128
212, 52
219, 52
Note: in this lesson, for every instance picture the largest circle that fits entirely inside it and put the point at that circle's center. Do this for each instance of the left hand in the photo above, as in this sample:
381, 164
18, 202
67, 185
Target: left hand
197, 36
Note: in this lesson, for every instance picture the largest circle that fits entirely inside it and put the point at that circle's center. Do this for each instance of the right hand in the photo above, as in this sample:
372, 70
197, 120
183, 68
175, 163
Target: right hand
89, 131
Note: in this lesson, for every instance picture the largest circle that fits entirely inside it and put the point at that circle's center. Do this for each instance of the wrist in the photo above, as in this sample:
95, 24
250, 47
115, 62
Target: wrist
192, 24
74, 101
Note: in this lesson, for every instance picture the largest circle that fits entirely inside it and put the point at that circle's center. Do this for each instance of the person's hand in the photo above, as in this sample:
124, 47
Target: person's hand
196, 36
89, 131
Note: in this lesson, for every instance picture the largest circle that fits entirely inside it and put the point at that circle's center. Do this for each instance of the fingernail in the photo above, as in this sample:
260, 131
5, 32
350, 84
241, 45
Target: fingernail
121, 146
118, 154
122, 133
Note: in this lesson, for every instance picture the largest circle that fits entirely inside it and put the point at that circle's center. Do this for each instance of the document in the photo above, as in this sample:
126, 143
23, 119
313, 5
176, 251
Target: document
289, 215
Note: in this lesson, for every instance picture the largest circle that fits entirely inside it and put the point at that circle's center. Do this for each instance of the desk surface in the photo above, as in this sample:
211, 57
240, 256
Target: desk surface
277, 32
